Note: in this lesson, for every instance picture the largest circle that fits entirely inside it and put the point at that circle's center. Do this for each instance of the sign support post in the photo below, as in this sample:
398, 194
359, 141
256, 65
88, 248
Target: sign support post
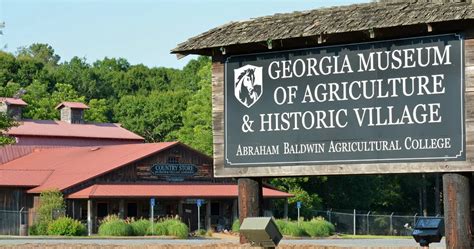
199, 204
250, 200
152, 215
298, 206
457, 212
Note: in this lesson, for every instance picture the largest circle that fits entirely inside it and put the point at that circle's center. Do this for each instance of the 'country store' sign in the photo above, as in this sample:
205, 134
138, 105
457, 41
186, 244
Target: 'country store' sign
390, 101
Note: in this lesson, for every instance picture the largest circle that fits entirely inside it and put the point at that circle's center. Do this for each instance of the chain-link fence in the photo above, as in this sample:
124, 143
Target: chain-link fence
369, 223
12, 221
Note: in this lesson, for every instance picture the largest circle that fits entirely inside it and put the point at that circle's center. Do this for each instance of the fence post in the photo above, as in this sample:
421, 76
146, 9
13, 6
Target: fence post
414, 220
368, 226
354, 222
391, 224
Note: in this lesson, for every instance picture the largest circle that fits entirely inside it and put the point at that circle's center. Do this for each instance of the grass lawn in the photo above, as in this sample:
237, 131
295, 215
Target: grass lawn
350, 236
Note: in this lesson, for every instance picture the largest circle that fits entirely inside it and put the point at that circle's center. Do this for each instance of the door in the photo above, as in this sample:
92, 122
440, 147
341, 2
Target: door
132, 209
190, 216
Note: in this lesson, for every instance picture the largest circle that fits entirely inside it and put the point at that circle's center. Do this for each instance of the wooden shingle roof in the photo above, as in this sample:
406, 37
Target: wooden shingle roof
334, 20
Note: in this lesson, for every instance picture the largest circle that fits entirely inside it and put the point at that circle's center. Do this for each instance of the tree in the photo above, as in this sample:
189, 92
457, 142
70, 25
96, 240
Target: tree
155, 116
98, 111
197, 119
51, 203
298, 187
5, 124
41, 52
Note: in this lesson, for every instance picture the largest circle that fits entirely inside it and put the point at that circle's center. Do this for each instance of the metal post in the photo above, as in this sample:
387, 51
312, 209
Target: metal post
89, 217
414, 220
457, 212
298, 216
354, 222
391, 224
368, 223
19, 232
199, 217
285, 210
152, 216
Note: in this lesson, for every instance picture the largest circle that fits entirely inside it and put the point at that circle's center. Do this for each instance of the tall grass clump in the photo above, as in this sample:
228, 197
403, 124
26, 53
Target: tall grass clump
318, 227
158, 229
176, 228
140, 227
290, 228
114, 226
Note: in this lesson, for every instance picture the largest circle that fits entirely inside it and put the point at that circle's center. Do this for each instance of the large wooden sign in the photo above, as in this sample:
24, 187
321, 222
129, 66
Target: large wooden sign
380, 107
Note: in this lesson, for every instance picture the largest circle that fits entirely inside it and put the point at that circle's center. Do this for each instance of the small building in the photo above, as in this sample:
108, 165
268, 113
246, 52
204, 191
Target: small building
104, 169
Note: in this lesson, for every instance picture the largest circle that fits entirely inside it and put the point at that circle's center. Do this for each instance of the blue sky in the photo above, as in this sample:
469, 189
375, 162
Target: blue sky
142, 31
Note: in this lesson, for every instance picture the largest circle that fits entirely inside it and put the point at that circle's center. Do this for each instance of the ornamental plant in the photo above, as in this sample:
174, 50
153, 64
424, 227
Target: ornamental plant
66, 226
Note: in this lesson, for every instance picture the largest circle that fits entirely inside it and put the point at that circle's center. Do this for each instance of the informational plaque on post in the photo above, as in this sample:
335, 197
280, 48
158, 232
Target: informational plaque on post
389, 101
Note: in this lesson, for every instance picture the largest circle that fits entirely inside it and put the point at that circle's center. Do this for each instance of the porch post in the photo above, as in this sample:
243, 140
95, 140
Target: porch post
73, 209
89, 217
208, 215
285, 211
122, 209
235, 208
180, 209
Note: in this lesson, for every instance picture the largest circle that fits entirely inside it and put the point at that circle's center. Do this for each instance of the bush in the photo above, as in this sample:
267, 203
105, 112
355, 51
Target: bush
140, 227
318, 227
176, 228
159, 229
40, 228
66, 226
113, 226
236, 226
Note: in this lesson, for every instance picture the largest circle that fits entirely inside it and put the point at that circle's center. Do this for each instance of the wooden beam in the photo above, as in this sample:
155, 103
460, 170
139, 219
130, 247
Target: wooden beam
457, 213
250, 200
208, 214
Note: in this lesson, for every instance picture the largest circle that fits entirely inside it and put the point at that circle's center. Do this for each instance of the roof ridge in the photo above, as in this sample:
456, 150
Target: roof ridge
116, 159
280, 26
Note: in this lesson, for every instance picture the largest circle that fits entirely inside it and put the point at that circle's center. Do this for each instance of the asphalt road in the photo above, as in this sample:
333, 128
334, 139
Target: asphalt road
151, 241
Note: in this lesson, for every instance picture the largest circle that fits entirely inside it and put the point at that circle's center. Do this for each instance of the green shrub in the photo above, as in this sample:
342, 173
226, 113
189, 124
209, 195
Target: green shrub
290, 228
33, 230
113, 226
66, 226
236, 226
176, 228
318, 227
140, 227
159, 229
39, 228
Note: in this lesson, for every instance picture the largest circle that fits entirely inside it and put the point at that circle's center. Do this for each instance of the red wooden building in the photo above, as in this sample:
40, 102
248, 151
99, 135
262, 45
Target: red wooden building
105, 169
